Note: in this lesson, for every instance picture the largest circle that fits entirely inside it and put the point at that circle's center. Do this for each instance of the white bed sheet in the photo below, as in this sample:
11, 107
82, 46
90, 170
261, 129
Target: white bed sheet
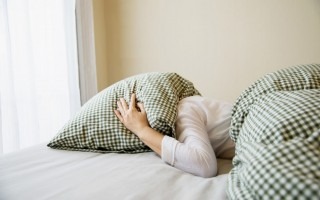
43, 173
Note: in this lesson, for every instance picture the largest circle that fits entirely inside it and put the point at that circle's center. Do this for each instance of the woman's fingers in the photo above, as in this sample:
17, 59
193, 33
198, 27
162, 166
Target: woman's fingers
123, 104
118, 114
133, 101
141, 107
120, 108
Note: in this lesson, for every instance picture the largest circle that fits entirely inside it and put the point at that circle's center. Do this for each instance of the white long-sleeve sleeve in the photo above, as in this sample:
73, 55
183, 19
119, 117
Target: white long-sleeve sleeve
192, 151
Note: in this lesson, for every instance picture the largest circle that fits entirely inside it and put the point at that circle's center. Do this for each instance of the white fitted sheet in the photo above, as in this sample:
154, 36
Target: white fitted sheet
43, 173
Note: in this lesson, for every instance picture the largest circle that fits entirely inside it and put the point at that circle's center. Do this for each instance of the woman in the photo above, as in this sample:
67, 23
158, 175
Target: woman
192, 151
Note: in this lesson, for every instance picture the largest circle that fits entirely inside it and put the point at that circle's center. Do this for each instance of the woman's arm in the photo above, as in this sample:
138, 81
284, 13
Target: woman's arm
192, 153
137, 122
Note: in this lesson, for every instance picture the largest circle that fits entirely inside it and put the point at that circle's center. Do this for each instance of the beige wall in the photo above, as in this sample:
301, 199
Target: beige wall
220, 45
100, 27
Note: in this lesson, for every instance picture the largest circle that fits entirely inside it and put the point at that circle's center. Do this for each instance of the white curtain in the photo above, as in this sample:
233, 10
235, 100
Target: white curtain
39, 86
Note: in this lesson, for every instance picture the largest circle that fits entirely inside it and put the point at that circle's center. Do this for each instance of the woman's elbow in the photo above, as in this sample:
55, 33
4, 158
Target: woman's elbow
206, 171
205, 165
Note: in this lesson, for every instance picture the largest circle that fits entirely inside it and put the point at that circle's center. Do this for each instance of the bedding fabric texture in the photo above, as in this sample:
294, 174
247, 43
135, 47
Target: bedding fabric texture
276, 128
40, 172
97, 129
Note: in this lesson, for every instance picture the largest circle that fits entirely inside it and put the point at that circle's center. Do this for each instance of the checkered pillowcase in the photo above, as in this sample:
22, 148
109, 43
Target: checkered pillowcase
276, 127
96, 128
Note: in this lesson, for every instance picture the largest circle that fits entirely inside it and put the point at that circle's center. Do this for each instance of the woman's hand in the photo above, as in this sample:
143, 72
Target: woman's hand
131, 117
137, 122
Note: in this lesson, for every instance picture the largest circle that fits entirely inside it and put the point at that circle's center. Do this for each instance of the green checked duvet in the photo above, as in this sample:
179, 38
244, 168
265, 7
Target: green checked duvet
276, 128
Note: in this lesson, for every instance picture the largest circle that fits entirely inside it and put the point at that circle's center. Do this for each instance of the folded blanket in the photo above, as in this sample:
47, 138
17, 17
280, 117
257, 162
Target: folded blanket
276, 128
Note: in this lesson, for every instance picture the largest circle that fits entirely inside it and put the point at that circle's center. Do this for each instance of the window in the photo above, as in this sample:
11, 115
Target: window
39, 84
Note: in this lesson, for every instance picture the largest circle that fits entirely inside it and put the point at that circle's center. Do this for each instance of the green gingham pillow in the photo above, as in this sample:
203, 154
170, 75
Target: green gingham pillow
96, 128
276, 127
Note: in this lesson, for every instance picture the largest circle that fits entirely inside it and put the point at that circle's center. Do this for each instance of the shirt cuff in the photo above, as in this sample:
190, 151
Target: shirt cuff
168, 148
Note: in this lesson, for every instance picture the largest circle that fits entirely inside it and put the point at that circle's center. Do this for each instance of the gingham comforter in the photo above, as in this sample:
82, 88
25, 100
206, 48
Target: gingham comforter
276, 128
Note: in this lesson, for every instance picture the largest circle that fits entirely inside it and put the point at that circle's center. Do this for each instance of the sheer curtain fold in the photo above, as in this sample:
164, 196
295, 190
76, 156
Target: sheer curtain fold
39, 86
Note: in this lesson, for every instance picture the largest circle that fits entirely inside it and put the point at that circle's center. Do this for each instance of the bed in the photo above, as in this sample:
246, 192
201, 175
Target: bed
95, 157
275, 126
43, 173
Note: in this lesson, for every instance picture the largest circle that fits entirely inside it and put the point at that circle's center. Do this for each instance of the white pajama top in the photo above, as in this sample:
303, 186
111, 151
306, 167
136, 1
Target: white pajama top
202, 134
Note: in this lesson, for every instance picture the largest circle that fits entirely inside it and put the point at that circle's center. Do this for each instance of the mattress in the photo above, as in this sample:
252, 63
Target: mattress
42, 173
